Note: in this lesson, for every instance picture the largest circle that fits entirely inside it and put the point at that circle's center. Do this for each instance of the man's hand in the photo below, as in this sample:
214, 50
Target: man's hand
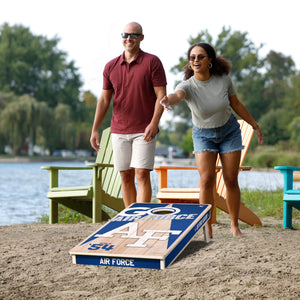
150, 133
94, 140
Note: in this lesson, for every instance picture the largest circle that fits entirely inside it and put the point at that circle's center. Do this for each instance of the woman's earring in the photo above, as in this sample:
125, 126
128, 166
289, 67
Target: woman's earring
189, 67
209, 65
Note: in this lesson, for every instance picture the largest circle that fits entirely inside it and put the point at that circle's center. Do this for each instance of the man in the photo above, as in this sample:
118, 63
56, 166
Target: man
137, 82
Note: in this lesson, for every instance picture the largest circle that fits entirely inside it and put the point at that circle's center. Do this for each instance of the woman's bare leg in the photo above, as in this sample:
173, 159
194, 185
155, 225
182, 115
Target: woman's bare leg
206, 163
230, 164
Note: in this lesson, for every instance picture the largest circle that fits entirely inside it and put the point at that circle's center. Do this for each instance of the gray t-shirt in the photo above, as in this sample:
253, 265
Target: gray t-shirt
208, 100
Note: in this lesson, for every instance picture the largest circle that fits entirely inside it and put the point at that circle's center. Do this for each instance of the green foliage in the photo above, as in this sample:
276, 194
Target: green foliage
40, 95
163, 137
19, 121
187, 142
236, 47
270, 156
294, 129
291, 101
250, 91
34, 65
274, 125
63, 129
278, 66
67, 215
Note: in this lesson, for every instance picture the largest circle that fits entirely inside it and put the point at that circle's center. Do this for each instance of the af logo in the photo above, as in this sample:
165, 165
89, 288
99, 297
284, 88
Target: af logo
129, 231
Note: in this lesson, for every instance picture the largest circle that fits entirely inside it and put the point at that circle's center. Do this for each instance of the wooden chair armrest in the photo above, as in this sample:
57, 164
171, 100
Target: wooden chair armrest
50, 168
287, 168
288, 178
160, 168
245, 168
175, 168
163, 173
100, 165
54, 172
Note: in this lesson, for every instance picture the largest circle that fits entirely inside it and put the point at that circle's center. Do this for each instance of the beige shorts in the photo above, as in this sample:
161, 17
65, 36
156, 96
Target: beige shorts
132, 151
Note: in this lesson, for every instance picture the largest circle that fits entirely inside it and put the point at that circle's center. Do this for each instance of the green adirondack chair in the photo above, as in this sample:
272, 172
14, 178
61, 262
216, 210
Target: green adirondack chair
89, 200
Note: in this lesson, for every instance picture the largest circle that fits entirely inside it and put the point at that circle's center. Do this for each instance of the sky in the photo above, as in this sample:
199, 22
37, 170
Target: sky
90, 30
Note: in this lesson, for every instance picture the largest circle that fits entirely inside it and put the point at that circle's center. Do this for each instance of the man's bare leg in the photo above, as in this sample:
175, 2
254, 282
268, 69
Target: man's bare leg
144, 191
128, 187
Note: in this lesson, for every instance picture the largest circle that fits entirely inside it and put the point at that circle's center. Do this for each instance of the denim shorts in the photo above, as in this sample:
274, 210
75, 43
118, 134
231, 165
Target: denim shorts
224, 139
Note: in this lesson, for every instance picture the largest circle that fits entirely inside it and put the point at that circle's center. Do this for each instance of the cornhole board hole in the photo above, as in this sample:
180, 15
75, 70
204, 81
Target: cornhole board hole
144, 235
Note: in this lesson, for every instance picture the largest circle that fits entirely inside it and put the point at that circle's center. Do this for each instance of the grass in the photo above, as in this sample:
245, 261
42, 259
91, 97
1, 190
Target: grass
263, 203
67, 215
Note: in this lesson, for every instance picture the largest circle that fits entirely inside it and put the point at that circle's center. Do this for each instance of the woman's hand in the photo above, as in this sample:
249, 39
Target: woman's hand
165, 103
260, 136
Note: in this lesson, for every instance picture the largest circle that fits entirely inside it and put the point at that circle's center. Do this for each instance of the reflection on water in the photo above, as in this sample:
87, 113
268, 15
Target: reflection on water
24, 186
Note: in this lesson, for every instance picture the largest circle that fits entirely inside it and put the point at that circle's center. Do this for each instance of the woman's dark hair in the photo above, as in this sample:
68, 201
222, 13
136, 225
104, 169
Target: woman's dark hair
219, 67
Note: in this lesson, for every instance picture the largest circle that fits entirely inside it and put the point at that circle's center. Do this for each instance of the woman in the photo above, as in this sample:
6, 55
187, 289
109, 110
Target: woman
210, 95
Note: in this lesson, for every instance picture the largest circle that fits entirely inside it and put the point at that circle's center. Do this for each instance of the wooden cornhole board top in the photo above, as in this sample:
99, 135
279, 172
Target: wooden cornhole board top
144, 235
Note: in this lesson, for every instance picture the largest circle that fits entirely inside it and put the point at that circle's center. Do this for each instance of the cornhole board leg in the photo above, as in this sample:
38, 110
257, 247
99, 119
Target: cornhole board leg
145, 235
205, 232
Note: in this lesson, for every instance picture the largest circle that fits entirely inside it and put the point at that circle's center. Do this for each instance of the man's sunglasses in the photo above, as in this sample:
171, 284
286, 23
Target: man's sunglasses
199, 57
132, 35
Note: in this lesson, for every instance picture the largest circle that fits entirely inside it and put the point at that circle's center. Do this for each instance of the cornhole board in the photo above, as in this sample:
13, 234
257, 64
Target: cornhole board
144, 235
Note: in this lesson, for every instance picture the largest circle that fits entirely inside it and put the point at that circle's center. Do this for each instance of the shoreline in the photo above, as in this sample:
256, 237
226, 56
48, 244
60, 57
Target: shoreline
175, 161
20, 159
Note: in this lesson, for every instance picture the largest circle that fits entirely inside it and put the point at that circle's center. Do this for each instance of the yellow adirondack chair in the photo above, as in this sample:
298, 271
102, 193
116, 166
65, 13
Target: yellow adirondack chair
191, 195
89, 200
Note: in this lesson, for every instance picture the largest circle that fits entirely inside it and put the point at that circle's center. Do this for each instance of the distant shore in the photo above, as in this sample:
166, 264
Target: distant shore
19, 159
158, 160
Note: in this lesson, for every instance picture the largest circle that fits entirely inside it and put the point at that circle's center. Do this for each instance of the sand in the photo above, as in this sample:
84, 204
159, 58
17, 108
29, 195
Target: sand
35, 264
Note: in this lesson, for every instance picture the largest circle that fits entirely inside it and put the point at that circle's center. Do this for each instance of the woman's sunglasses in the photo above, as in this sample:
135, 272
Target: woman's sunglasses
199, 57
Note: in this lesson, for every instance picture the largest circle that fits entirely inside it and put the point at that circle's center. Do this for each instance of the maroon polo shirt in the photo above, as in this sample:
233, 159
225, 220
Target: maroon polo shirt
134, 96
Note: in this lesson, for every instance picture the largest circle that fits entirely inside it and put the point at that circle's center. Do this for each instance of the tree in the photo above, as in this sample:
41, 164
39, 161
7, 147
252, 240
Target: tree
291, 100
19, 121
63, 130
34, 65
279, 69
294, 128
274, 126
187, 142
278, 66
250, 92
241, 51
83, 129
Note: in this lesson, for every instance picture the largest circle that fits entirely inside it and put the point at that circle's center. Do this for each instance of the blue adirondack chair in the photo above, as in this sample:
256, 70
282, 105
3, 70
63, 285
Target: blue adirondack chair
291, 196
89, 200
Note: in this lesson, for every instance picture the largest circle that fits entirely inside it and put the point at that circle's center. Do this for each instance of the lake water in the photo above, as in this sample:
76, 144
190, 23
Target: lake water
24, 186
